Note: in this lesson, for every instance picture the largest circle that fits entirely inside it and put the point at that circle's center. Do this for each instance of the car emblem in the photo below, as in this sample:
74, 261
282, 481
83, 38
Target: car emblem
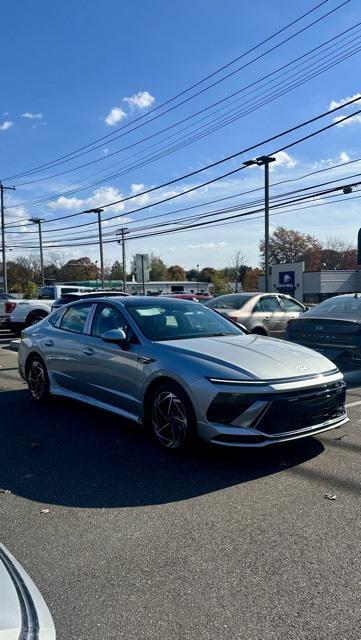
319, 327
302, 368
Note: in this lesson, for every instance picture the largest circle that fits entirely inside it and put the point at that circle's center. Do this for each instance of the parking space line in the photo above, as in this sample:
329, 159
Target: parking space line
352, 404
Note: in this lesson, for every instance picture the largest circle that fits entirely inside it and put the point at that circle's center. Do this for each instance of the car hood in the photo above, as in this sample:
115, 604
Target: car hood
255, 356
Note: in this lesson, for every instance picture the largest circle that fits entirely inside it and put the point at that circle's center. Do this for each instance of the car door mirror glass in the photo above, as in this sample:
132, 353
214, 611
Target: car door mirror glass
115, 336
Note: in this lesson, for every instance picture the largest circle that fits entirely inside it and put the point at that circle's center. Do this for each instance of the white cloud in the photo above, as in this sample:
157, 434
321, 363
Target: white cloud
99, 198
141, 100
202, 246
114, 116
283, 159
344, 123
32, 116
6, 125
344, 157
338, 103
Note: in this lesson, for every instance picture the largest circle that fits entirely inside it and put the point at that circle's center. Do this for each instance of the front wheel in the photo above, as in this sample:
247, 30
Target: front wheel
171, 417
38, 379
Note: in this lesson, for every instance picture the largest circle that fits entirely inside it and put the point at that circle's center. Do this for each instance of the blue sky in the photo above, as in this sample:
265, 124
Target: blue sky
74, 72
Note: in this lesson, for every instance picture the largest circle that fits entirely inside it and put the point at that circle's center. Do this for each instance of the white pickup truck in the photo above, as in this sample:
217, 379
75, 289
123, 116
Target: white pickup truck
23, 313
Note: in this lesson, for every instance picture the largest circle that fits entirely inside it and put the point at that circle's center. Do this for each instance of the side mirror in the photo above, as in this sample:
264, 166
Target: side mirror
115, 336
306, 309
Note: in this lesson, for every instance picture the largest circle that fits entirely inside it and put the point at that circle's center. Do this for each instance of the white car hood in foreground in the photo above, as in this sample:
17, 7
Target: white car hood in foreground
23, 612
255, 356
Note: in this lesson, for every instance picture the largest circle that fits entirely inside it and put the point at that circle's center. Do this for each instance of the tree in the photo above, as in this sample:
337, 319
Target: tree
158, 270
237, 268
220, 285
250, 280
30, 290
176, 273
289, 245
193, 275
80, 269
338, 254
18, 275
206, 274
117, 271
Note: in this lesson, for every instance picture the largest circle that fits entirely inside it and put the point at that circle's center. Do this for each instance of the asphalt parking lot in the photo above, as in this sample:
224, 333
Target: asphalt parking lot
142, 544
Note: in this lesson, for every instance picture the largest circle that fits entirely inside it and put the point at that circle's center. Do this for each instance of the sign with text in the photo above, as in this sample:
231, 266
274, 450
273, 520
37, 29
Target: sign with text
286, 280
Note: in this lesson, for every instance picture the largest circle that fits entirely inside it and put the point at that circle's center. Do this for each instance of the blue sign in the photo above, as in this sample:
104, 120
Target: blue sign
286, 280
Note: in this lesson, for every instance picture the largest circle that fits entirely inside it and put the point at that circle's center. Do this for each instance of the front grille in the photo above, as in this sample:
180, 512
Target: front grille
295, 412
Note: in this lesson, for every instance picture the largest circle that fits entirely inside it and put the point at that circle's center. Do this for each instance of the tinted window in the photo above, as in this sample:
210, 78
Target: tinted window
338, 306
69, 290
46, 293
108, 318
291, 305
229, 301
184, 320
74, 318
53, 319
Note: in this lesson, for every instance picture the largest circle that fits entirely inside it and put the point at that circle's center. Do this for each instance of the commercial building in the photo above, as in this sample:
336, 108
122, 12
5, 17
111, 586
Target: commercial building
311, 286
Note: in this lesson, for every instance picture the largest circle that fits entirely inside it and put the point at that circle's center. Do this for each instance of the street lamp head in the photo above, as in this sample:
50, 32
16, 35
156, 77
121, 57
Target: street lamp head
96, 210
250, 163
265, 160
346, 190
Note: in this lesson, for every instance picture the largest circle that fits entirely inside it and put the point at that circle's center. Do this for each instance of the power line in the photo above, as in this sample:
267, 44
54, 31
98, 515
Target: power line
63, 158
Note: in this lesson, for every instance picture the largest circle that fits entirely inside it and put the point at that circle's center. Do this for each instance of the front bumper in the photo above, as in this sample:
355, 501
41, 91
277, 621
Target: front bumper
274, 413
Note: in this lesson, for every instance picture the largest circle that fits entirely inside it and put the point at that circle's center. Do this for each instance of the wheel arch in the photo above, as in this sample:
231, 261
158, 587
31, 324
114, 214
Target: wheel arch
259, 331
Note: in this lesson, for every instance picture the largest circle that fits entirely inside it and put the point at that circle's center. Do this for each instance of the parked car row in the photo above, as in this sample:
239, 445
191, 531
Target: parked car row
183, 371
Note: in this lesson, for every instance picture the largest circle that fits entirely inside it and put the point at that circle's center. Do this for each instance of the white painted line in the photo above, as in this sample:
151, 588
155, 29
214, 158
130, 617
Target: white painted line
352, 404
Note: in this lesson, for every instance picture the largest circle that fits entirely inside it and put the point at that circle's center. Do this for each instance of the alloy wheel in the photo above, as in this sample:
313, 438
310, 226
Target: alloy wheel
169, 419
37, 380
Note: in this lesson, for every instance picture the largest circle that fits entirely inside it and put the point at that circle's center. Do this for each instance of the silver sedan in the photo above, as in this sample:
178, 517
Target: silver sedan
183, 371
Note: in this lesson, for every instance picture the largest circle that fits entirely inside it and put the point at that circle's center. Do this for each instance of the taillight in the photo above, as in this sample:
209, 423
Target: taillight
9, 307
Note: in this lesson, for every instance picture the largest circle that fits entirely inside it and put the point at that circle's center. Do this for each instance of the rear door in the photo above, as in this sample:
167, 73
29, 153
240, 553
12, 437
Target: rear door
64, 348
269, 314
109, 373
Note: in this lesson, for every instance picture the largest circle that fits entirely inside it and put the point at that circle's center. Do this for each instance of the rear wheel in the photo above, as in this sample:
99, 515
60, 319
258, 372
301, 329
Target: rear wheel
171, 417
259, 331
38, 379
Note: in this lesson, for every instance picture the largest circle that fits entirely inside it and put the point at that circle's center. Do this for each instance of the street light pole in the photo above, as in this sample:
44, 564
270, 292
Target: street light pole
264, 161
98, 211
123, 232
2, 209
38, 221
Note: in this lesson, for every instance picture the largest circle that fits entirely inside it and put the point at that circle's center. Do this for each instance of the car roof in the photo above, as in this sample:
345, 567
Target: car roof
142, 301
93, 294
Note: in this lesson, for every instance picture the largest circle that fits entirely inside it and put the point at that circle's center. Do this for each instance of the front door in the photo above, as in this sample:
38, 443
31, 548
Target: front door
270, 315
111, 370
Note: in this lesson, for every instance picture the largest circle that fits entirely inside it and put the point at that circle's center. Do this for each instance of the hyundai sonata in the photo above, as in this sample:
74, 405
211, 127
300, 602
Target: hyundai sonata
183, 371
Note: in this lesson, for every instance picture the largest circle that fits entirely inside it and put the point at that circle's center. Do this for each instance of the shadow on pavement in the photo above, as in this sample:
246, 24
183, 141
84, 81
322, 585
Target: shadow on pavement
68, 454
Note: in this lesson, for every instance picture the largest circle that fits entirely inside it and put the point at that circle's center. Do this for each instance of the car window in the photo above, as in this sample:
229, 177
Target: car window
229, 301
338, 305
167, 321
46, 293
54, 317
269, 304
69, 290
107, 318
74, 319
291, 305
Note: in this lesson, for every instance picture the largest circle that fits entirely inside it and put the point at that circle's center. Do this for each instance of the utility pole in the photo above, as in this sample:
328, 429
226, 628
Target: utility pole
142, 259
98, 211
264, 161
5, 279
38, 221
123, 232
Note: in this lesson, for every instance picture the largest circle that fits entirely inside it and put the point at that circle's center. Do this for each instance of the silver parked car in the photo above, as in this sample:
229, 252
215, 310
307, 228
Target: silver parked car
182, 370
265, 314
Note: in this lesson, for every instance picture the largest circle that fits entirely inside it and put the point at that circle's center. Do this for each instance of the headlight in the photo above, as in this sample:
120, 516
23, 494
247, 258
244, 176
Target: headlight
243, 382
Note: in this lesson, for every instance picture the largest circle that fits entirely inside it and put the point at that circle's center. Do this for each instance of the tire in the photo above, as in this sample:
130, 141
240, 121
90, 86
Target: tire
34, 318
169, 404
37, 379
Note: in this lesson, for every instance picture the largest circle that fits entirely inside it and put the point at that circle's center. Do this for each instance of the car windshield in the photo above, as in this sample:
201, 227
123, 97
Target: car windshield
338, 306
229, 301
176, 322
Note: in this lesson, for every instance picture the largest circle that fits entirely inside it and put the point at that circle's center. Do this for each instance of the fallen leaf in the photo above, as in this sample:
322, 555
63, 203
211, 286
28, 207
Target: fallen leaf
44, 511
330, 496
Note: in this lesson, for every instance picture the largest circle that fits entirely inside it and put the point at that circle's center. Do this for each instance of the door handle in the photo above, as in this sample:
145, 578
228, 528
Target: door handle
267, 318
145, 360
88, 351
48, 343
